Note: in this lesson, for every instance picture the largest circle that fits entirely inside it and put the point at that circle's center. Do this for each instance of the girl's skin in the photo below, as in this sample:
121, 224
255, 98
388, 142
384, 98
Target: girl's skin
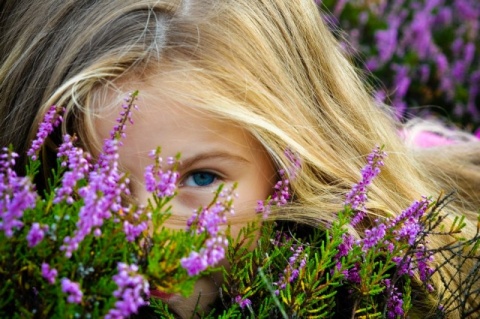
213, 152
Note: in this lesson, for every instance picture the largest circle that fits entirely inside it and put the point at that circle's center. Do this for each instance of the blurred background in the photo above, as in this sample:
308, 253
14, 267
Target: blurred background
421, 56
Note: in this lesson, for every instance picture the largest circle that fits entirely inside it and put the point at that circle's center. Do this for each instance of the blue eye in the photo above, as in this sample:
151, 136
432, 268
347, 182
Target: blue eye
200, 179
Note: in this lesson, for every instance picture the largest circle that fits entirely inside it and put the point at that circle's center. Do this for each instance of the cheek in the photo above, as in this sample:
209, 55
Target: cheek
187, 201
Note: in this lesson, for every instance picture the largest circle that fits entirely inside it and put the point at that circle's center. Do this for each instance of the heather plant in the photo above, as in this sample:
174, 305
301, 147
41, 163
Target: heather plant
75, 249
420, 53
80, 249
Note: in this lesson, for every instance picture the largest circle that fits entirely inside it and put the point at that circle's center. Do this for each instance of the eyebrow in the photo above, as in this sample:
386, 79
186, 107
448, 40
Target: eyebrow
212, 155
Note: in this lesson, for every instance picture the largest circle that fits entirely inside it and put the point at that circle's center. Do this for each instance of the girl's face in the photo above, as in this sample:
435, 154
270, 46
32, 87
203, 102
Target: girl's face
213, 152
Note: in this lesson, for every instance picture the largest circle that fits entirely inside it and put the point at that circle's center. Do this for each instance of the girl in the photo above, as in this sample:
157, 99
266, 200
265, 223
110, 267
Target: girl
230, 84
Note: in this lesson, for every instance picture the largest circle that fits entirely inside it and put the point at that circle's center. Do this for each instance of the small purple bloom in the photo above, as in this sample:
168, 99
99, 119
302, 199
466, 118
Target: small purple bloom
281, 190
295, 163
394, 301
72, 289
243, 302
405, 265
401, 80
159, 182
357, 196
441, 63
16, 194
345, 246
373, 236
78, 163
132, 231
353, 274
293, 268
125, 116
194, 263
280, 197
132, 292
51, 120
210, 255
36, 234
209, 219
50, 274
386, 42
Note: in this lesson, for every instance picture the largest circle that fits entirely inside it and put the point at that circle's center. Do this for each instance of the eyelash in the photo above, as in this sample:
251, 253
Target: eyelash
190, 179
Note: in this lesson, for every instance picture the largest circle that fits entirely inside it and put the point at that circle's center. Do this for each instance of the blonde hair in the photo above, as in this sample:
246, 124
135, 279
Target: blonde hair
270, 65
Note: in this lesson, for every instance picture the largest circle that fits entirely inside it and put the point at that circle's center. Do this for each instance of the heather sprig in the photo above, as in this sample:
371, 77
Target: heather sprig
295, 265
132, 292
53, 118
357, 197
281, 190
17, 194
50, 274
78, 163
210, 220
159, 182
73, 291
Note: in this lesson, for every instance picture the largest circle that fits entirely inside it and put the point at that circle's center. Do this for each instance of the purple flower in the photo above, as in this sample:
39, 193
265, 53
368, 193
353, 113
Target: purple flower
293, 268
209, 220
345, 246
394, 301
280, 197
401, 80
158, 182
243, 302
36, 234
50, 274
72, 289
16, 194
133, 231
467, 10
51, 120
352, 274
281, 190
125, 116
424, 72
386, 41
357, 196
444, 16
295, 163
132, 292
405, 265
78, 163
194, 263
441, 63
420, 36
414, 212
208, 256
373, 236
424, 258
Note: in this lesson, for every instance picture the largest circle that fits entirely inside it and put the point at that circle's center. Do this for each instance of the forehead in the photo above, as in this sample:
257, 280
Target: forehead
174, 127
